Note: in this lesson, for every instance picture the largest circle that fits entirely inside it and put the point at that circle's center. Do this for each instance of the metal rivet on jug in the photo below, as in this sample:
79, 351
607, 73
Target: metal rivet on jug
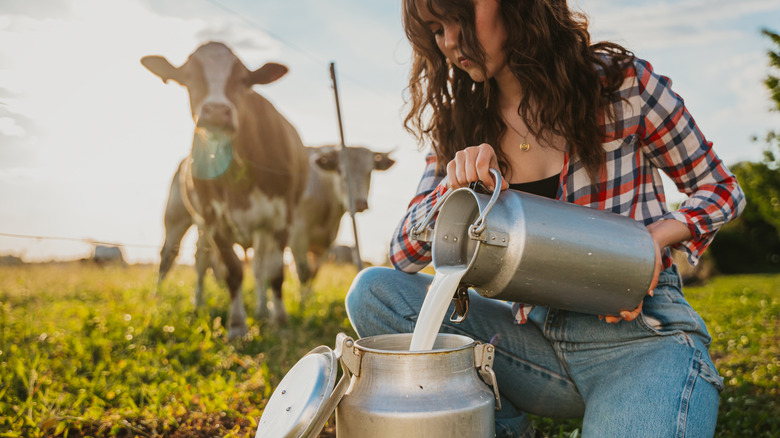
526, 248
387, 391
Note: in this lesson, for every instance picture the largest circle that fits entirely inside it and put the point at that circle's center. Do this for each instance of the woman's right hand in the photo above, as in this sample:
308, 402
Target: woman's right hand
473, 164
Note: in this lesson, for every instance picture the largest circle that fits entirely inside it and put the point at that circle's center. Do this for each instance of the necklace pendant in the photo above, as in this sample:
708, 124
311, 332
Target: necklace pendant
524, 146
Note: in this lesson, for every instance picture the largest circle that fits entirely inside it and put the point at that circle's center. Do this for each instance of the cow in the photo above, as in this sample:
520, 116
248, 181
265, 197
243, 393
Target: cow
317, 217
245, 174
325, 201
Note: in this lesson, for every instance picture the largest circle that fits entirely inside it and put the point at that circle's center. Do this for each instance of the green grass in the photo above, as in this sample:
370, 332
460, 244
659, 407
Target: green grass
742, 313
89, 351
96, 352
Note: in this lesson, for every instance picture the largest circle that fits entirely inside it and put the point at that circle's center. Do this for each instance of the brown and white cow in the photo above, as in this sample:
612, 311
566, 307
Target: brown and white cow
316, 220
325, 201
246, 171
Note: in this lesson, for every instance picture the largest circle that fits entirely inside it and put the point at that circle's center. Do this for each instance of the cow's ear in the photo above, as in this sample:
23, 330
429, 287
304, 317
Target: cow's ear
328, 161
162, 68
382, 161
267, 73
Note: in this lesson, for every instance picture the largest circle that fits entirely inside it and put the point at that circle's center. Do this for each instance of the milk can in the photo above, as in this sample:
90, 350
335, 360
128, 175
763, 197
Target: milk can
387, 391
526, 248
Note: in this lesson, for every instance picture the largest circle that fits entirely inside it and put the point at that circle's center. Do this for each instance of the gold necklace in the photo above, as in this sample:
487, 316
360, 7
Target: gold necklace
524, 145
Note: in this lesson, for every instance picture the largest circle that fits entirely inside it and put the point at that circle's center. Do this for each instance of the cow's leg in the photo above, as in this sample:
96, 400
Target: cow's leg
277, 279
177, 221
304, 275
203, 259
269, 267
302, 266
174, 232
316, 257
260, 243
312, 260
298, 244
234, 271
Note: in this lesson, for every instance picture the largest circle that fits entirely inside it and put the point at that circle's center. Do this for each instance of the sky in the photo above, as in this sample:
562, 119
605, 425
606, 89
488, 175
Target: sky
89, 139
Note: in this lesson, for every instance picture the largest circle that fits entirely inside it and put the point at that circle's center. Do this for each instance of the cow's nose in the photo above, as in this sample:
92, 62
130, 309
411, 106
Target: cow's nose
216, 115
361, 205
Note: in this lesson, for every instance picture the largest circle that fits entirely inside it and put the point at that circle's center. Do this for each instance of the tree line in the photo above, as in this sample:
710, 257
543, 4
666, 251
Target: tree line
751, 243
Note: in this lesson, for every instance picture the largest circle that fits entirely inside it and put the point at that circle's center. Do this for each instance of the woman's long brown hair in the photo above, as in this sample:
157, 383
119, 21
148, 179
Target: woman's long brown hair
550, 53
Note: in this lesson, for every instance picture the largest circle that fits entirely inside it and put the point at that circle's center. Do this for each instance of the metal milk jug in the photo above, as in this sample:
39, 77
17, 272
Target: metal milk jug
526, 248
386, 391
422, 394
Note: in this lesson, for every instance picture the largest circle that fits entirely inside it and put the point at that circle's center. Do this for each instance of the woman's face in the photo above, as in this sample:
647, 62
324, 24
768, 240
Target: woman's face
489, 29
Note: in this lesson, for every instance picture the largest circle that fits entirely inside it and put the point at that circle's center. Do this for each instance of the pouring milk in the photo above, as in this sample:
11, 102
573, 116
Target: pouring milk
445, 283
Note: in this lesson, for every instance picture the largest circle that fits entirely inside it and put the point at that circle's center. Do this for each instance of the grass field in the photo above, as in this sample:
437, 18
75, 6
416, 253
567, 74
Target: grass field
90, 351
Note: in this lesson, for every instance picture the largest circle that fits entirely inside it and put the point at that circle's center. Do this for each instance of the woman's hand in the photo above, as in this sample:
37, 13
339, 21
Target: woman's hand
663, 233
630, 315
473, 164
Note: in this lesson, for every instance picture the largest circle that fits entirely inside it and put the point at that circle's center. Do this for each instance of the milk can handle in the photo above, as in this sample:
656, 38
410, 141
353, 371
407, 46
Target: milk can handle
483, 361
418, 231
479, 226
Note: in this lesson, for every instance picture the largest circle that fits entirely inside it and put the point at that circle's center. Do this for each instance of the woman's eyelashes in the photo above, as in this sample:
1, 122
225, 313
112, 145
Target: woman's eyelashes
437, 28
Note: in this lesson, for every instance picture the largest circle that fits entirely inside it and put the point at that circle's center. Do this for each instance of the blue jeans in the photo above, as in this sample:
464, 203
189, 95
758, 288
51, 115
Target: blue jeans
651, 377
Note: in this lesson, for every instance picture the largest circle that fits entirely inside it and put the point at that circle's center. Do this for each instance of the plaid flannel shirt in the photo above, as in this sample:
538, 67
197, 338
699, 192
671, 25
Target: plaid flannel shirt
651, 131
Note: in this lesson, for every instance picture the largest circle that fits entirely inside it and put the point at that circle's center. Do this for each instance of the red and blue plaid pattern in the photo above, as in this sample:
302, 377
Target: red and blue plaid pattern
651, 131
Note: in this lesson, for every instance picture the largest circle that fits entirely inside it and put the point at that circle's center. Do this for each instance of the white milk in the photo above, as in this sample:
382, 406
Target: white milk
445, 283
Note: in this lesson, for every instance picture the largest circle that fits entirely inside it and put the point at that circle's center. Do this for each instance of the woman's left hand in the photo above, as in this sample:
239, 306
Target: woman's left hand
663, 233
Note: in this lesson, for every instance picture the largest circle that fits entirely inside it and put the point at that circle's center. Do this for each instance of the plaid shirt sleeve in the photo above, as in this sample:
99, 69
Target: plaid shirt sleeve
673, 142
406, 254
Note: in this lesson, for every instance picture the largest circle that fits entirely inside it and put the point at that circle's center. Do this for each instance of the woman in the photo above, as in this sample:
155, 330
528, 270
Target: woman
518, 86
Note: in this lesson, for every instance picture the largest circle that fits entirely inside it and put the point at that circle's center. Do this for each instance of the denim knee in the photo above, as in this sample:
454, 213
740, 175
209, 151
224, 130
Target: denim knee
360, 285
360, 294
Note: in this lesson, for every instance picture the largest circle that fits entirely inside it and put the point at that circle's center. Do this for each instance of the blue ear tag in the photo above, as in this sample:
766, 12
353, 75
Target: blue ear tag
212, 154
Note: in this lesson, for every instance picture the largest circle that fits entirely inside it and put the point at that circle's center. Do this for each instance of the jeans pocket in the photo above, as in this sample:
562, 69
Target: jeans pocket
656, 328
667, 312
709, 373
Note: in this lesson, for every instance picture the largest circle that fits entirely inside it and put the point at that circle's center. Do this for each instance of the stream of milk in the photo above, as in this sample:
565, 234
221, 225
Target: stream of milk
445, 283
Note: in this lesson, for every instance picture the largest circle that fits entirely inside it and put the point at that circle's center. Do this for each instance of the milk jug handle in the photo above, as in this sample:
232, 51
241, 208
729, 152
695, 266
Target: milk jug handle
419, 231
480, 225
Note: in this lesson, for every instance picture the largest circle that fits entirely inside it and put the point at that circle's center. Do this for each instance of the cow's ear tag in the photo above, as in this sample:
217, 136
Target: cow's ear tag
212, 153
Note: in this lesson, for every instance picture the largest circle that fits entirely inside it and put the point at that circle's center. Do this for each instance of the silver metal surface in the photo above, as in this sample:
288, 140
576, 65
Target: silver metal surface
399, 393
558, 254
301, 397
343, 343
483, 362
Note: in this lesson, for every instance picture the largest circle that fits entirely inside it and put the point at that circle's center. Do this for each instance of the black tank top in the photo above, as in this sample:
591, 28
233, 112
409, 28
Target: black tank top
547, 187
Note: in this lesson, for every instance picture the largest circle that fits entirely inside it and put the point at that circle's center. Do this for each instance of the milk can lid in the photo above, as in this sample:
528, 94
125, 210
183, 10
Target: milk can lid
299, 406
